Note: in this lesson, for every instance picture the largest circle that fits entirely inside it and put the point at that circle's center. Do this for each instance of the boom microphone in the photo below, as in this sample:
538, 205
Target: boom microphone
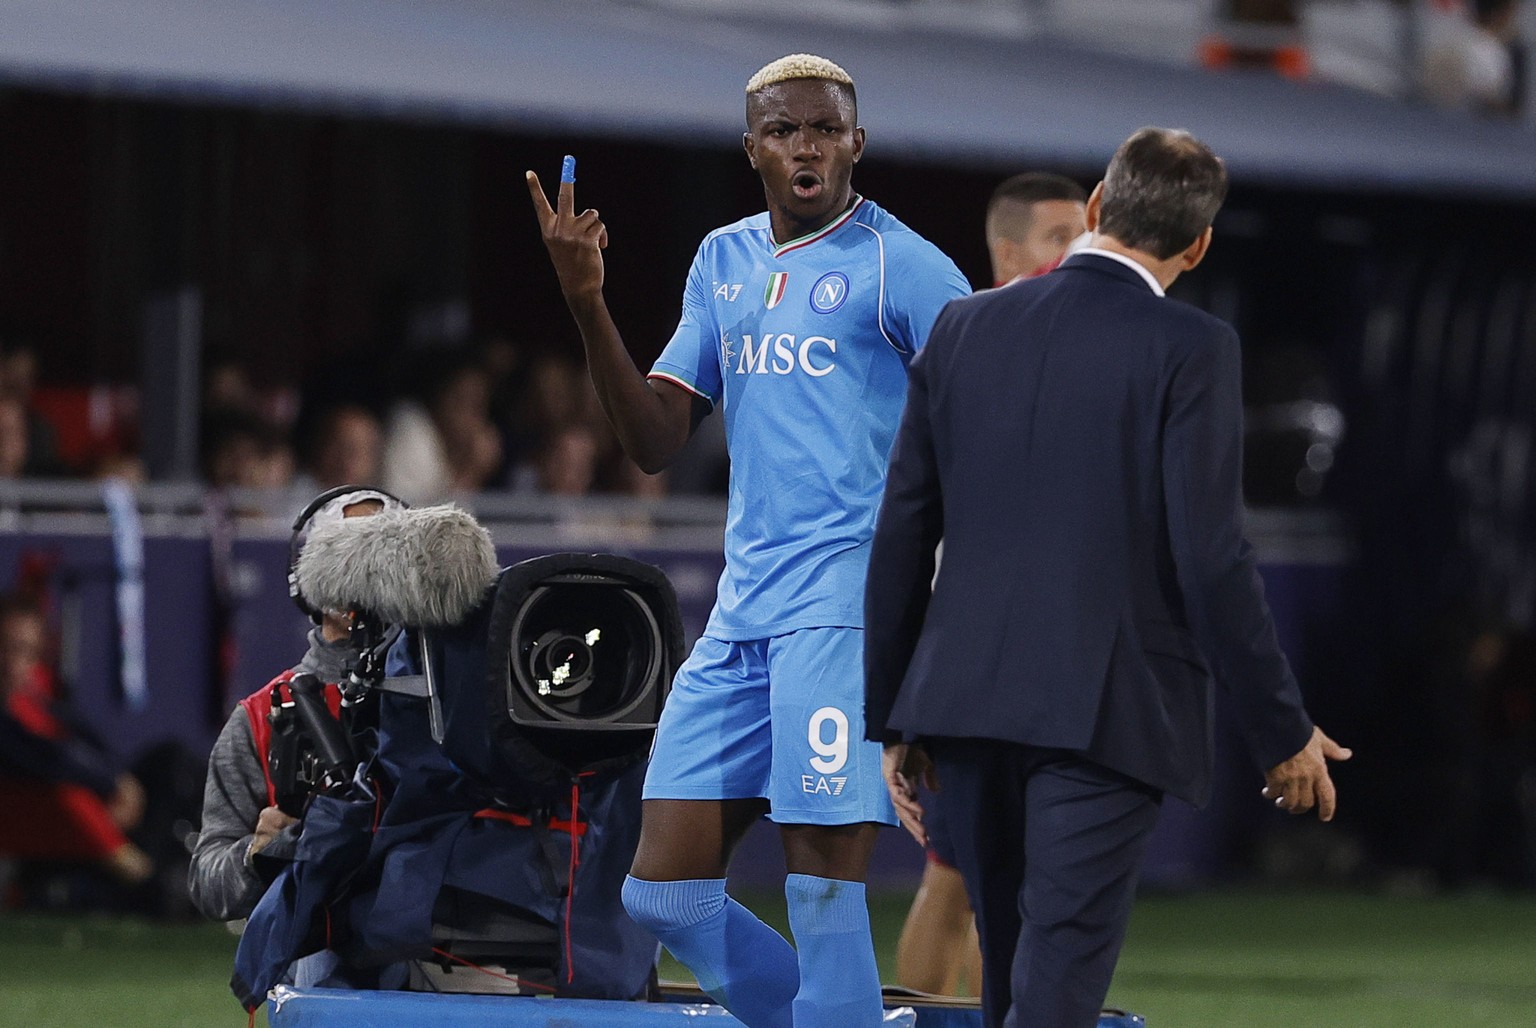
425, 566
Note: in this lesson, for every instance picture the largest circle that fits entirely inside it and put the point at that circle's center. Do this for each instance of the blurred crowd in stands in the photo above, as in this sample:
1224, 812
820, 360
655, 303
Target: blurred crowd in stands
1477, 59
495, 416
82, 828
485, 417
1467, 55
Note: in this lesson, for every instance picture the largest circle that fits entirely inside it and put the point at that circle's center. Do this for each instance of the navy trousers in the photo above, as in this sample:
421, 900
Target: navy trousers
1050, 846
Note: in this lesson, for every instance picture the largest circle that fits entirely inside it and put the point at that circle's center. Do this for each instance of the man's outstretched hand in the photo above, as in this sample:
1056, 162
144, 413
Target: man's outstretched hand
575, 241
1298, 784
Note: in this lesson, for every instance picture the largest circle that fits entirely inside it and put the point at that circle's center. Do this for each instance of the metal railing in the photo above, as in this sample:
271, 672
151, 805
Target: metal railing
695, 524
38, 506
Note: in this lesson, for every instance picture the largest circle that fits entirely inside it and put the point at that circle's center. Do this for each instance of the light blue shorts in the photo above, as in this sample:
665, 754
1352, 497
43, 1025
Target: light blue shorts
781, 718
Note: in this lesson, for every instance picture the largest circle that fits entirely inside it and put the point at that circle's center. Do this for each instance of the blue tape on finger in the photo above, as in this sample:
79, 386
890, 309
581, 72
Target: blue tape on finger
568, 169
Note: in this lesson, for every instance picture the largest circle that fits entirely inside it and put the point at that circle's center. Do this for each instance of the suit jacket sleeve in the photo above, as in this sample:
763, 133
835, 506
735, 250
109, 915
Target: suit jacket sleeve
901, 561
1202, 467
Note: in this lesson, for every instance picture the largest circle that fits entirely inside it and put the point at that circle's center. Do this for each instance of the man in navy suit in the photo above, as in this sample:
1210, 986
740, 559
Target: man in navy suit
1076, 442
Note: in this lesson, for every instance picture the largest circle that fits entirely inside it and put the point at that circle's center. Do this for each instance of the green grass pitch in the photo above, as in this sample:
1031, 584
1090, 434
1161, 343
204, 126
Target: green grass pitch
1237, 959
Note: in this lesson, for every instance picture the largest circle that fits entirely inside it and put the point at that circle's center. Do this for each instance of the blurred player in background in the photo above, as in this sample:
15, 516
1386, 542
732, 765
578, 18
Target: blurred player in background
1032, 218
798, 324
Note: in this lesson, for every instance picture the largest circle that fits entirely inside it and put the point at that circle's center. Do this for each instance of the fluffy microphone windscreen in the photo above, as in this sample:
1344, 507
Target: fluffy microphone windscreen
427, 566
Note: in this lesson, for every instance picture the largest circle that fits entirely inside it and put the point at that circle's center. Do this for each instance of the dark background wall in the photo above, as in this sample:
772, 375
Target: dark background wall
314, 237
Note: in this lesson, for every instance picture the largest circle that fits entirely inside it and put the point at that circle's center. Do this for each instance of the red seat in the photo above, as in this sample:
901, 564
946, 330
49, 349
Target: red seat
52, 821
90, 422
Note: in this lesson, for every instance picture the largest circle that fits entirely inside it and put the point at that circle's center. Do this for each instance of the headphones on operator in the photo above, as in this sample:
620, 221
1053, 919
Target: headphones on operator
352, 494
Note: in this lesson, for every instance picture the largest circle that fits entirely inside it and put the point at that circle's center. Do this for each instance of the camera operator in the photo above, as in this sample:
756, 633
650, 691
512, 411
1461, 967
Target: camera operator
246, 835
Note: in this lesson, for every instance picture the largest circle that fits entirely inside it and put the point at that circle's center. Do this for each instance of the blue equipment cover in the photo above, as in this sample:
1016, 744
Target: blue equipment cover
286, 922
330, 1008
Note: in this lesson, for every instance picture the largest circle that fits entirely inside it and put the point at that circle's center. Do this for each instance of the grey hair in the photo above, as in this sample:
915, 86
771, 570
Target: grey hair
1162, 189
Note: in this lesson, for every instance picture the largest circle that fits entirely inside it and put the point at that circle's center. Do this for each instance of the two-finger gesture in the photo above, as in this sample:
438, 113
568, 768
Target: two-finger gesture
575, 241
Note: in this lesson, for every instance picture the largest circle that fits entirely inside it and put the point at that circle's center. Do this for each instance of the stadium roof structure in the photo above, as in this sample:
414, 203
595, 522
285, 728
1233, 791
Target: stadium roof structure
674, 72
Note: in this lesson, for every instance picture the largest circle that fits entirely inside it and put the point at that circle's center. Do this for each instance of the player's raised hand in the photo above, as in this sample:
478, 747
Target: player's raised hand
575, 241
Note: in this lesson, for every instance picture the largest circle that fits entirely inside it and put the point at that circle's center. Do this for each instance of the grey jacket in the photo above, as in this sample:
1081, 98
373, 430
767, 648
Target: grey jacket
223, 882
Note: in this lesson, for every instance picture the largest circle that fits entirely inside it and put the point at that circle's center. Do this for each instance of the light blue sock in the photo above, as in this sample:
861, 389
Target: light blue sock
745, 965
839, 981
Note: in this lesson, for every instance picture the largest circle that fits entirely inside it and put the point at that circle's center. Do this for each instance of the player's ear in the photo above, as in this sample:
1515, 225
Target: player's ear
750, 145
858, 143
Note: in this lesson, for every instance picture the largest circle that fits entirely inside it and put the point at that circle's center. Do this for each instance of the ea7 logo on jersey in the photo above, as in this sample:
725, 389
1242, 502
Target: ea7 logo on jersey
811, 355
727, 291
822, 785
829, 292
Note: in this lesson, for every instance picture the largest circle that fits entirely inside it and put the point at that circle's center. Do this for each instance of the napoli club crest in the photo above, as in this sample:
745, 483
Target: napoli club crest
829, 292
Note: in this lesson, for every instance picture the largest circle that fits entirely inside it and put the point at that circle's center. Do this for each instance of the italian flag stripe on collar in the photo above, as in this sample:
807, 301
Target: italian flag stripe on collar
829, 227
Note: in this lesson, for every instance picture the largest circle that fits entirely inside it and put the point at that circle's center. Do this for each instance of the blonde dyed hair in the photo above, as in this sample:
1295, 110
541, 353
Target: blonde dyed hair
797, 66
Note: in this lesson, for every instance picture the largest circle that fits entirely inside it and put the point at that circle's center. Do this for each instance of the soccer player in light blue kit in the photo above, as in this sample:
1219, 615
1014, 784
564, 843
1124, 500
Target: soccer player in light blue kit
797, 325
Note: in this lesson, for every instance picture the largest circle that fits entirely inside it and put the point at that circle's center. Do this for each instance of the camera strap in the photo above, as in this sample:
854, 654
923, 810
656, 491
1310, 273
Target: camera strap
406, 685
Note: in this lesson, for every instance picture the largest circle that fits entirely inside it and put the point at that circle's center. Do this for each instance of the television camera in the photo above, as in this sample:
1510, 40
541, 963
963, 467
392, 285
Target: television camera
514, 710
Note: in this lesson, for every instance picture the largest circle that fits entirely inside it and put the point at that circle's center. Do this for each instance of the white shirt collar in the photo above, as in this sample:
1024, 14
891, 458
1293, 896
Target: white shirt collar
1141, 270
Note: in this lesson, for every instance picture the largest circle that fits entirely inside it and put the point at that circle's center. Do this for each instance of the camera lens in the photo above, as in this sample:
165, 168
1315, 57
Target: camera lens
561, 665
583, 651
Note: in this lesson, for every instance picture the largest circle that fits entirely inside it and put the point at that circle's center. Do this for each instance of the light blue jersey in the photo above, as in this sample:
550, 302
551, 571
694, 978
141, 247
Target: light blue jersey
803, 347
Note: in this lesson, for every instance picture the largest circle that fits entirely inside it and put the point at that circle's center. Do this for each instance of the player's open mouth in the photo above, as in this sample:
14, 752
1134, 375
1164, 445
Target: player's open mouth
806, 184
